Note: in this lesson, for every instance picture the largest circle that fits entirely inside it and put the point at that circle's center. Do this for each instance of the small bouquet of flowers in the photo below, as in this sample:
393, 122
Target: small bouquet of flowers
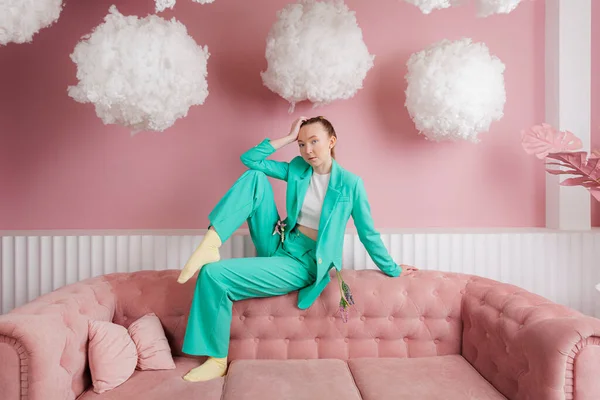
346, 299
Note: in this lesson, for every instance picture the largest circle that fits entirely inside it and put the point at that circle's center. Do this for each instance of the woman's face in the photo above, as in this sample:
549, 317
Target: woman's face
315, 144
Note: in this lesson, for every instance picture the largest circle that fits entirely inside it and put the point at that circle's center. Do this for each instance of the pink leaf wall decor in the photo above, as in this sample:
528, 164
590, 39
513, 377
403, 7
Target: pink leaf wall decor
587, 170
543, 139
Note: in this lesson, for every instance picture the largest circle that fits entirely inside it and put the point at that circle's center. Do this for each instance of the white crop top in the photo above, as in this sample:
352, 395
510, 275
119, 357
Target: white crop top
310, 213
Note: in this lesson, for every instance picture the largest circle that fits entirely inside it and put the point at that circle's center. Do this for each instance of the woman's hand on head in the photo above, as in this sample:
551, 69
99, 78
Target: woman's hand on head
295, 129
289, 138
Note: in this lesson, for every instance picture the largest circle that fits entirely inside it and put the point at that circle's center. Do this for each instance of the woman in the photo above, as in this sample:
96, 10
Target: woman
295, 254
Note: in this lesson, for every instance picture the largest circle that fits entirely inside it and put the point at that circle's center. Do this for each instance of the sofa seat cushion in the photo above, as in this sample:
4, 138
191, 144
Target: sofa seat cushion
162, 384
289, 380
448, 377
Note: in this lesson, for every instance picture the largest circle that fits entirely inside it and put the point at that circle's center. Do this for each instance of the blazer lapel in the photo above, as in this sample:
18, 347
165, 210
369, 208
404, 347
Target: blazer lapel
301, 189
331, 197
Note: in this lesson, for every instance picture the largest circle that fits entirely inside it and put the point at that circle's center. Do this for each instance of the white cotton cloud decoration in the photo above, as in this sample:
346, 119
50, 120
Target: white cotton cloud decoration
161, 5
20, 20
315, 51
427, 6
455, 90
486, 8
142, 73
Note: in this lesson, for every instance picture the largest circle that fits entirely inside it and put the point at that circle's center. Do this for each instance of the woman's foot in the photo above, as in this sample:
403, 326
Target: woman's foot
207, 252
211, 369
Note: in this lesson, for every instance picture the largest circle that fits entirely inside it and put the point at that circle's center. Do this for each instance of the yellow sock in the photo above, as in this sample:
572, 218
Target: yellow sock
207, 252
211, 369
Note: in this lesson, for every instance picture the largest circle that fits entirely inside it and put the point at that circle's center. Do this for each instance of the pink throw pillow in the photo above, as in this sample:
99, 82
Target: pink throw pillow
112, 355
153, 349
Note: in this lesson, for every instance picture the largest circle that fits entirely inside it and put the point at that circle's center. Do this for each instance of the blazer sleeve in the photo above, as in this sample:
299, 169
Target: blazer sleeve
369, 237
256, 159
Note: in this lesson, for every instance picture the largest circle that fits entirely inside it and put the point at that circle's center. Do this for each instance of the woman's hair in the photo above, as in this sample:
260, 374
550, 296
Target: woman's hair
326, 124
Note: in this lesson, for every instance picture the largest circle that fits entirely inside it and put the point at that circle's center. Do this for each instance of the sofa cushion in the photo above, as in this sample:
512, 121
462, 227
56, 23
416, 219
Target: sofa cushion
152, 346
162, 384
427, 378
290, 380
112, 355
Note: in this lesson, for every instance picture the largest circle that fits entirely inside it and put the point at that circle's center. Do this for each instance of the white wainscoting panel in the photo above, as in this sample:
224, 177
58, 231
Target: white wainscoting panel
560, 265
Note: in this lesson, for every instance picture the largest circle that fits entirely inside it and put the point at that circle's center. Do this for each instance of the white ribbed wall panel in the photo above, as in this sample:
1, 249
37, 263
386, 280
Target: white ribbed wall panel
562, 266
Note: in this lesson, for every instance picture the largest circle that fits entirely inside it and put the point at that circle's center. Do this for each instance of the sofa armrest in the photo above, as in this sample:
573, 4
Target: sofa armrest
527, 346
43, 343
568, 354
37, 342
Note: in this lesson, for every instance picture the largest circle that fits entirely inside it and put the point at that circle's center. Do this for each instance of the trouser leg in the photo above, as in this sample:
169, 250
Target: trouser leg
249, 199
220, 284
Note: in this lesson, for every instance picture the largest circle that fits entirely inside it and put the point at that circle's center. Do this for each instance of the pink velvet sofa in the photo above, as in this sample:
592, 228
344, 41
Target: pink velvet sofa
427, 335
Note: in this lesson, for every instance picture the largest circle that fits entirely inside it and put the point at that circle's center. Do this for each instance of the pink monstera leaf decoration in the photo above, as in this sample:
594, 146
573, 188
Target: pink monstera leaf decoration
586, 169
542, 140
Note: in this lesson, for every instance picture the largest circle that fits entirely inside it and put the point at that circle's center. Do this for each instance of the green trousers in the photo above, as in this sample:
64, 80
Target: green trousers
279, 268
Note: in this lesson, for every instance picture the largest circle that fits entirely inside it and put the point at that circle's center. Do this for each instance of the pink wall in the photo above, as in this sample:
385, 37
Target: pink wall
595, 95
61, 168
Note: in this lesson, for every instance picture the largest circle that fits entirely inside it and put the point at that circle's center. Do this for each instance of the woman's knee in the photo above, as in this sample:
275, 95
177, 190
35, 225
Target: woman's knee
260, 178
252, 173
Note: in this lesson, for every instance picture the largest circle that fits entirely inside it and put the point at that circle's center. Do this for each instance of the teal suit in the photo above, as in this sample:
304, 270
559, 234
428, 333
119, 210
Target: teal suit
296, 263
345, 197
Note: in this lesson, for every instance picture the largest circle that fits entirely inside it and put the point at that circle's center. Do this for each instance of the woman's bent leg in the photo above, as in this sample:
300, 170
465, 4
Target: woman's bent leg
249, 199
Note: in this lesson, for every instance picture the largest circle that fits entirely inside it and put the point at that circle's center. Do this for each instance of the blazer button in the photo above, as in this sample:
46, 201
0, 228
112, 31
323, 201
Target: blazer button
320, 261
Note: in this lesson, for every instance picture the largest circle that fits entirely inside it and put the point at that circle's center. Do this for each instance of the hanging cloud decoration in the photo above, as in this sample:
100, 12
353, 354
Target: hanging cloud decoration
161, 5
20, 20
485, 8
142, 73
315, 51
455, 90
427, 6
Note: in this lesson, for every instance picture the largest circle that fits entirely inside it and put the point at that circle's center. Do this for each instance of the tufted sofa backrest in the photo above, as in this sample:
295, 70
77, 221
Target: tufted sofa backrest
410, 316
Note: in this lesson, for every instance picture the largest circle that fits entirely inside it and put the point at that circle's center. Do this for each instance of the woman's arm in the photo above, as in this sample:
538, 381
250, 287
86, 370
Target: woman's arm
256, 157
369, 237
284, 141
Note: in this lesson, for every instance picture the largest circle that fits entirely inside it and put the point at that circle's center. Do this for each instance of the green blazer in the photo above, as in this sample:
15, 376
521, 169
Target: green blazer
345, 197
